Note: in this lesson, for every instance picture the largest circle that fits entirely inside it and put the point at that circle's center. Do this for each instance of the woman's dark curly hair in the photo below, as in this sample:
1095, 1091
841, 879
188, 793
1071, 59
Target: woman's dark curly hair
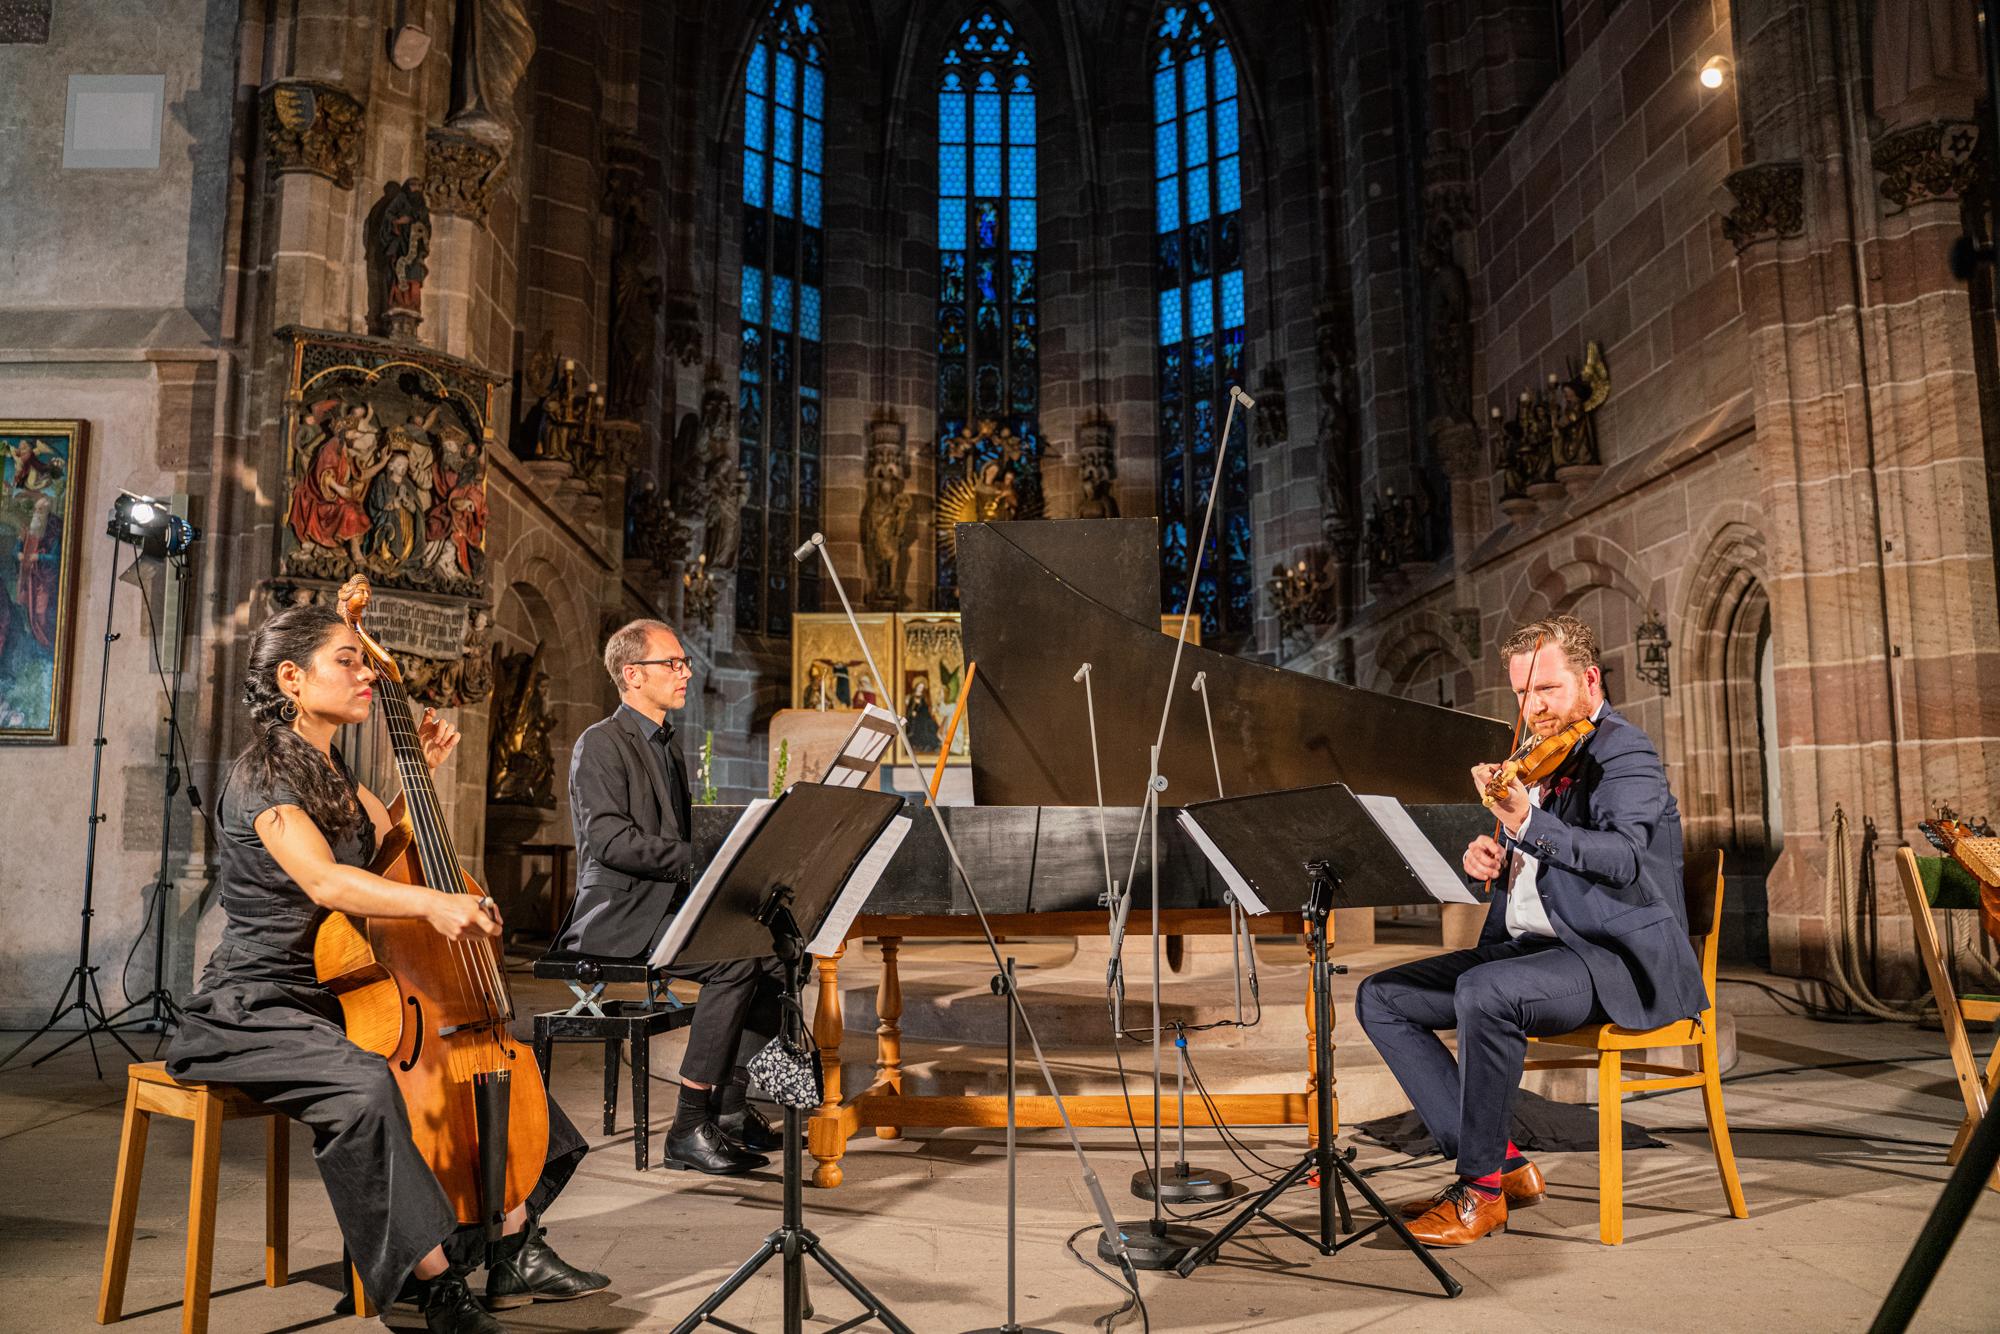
278, 757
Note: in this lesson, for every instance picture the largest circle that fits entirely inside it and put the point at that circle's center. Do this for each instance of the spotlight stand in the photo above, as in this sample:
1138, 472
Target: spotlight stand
83, 978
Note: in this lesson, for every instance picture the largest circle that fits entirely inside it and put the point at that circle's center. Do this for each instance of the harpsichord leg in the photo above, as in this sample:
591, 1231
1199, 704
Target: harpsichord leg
889, 1033
825, 1139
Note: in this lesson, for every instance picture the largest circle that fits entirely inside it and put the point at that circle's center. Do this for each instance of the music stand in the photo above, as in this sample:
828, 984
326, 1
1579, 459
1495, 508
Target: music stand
1324, 837
770, 899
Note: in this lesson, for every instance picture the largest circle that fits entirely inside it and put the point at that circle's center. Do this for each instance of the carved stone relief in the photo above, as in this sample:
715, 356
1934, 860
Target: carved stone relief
461, 173
1927, 162
724, 490
1097, 469
1770, 202
1271, 415
312, 127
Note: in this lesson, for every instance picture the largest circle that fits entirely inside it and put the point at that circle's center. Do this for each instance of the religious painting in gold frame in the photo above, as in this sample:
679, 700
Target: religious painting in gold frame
42, 480
829, 670
930, 669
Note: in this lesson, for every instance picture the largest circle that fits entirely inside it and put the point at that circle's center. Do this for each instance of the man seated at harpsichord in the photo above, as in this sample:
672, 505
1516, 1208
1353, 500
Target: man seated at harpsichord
1587, 925
633, 814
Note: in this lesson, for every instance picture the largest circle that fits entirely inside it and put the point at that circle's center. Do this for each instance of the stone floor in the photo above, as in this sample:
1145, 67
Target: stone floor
921, 1220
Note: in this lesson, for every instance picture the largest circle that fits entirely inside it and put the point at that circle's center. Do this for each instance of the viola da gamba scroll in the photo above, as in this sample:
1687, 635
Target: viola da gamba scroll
437, 1009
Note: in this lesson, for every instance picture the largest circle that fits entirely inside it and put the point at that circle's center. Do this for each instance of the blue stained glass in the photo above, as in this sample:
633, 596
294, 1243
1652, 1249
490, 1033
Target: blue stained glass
1197, 191
1168, 201
983, 280
1021, 119
1225, 128
1021, 172
986, 170
783, 181
1163, 95
784, 133
1194, 137
788, 81
1228, 188
809, 200
951, 118
815, 93
951, 224
757, 77
1201, 310
809, 310
1021, 224
753, 177
753, 121
811, 146
1232, 299
951, 169
1225, 74
986, 82
753, 295
1166, 150
987, 224
1170, 316
1194, 84
986, 118
781, 304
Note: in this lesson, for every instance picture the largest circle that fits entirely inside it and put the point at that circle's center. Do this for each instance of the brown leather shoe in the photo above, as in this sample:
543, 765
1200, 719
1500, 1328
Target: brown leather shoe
1460, 1216
1523, 1187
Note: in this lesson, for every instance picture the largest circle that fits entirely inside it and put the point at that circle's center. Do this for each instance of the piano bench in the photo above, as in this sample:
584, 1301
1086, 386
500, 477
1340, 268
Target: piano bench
612, 1022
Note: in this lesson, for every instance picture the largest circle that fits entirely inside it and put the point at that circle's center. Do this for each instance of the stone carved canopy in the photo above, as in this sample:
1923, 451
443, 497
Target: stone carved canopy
1938, 161
1770, 203
461, 173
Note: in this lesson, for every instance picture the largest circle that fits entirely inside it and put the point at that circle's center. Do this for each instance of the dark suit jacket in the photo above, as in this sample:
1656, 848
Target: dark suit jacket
633, 856
1609, 846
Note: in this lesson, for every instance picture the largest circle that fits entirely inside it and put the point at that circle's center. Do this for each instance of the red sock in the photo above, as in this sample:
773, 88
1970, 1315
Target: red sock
1512, 1152
1490, 1183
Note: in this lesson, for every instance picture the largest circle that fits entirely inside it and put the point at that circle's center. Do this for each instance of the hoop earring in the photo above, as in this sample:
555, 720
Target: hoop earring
290, 712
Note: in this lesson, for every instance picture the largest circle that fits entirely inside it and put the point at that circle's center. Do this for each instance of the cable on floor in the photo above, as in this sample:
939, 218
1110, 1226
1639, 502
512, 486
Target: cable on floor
1108, 1322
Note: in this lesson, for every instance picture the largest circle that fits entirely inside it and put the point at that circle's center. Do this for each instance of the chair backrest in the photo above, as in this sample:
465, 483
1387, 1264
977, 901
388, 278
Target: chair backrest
1701, 887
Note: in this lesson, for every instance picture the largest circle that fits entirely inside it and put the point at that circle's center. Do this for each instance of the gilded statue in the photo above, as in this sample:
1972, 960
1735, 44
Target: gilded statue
520, 766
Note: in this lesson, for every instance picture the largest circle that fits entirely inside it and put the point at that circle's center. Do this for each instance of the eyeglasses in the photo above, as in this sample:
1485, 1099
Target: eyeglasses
671, 664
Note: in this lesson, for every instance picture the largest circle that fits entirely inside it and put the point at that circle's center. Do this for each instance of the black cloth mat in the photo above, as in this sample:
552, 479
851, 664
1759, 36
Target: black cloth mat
1540, 1126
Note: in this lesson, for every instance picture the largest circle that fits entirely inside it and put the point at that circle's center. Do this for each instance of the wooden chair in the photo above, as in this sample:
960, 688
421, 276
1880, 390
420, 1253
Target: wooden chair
1953, 1009
1610, 1042
149, 1090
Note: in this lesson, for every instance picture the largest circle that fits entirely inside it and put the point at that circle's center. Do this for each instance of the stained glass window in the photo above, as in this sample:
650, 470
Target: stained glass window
780, 376
1198, 270
989, 373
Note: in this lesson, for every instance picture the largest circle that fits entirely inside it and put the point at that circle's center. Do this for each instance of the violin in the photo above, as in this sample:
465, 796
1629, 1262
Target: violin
1536, 759
1976, 849
437, 1008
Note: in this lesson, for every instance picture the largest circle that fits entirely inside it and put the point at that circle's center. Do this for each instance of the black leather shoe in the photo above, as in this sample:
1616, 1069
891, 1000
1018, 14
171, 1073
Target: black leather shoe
450, 1308
535, 1273
709, 1150
749, 1128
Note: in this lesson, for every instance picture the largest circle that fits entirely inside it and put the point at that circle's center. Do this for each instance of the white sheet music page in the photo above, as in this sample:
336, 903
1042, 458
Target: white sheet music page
690, 912
863, 749
1223, 867
1439, 880
858, 887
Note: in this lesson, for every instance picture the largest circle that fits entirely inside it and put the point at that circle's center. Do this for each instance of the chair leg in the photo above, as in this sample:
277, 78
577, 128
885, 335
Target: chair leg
201, 1214
1969, 1124
1718, 1129
363, 1308
1610, 1151
277, 1201
124, 1208
611, 1050
642, 1109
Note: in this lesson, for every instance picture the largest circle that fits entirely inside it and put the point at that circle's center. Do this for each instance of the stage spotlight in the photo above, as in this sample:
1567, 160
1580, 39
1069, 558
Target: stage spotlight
1714, 72
150, 526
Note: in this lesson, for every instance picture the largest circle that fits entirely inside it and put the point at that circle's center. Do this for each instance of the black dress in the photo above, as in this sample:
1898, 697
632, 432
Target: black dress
260, 1020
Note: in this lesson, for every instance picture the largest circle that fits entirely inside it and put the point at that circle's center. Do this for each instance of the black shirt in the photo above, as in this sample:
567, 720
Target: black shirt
662, 751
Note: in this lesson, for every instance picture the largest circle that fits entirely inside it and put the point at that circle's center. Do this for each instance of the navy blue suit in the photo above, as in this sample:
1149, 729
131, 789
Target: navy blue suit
1609, 846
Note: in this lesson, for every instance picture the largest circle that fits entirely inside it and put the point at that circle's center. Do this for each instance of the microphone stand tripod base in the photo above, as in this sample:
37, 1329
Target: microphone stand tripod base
1152, 1245
1181, 1183
1010, 1329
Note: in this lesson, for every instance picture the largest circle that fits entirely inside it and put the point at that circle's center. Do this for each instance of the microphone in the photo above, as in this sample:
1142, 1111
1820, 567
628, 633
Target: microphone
1081, 672
1236, 392
806, 546
1200, 682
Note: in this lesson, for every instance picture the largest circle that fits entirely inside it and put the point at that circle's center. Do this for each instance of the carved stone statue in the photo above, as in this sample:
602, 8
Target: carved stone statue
653, 531
403, 239
724, 490
1336, 433
1447, 330
888, 519
520, 765
1573, 426
1927, 63
635, 299
492, 42
1097, 469
1271, 414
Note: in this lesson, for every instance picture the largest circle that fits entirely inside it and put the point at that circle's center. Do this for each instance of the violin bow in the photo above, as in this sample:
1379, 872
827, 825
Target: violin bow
1520, 718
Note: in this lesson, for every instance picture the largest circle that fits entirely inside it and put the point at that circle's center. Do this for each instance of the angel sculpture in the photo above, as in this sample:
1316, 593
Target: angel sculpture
1574, 442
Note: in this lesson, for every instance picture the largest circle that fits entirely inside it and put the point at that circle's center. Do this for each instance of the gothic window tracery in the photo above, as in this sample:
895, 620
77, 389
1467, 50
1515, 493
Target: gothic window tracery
781, 373
989, 375
1198, 275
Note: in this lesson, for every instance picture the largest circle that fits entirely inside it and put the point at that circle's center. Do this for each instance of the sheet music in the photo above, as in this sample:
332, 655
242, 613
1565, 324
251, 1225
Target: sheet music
863, 749
1439, 880
690, 912
858, 887
1230, 875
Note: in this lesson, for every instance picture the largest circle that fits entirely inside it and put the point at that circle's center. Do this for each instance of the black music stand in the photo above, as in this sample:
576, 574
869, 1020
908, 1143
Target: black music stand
771, 900
1274, 842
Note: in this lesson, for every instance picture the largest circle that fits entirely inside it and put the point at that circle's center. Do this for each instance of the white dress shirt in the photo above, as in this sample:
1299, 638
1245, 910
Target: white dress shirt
1526, 913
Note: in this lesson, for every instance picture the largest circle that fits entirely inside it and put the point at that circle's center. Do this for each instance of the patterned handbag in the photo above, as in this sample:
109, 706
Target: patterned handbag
790, 1074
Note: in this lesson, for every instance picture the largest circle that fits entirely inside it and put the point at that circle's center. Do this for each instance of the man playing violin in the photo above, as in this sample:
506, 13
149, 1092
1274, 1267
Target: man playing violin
1586, 925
